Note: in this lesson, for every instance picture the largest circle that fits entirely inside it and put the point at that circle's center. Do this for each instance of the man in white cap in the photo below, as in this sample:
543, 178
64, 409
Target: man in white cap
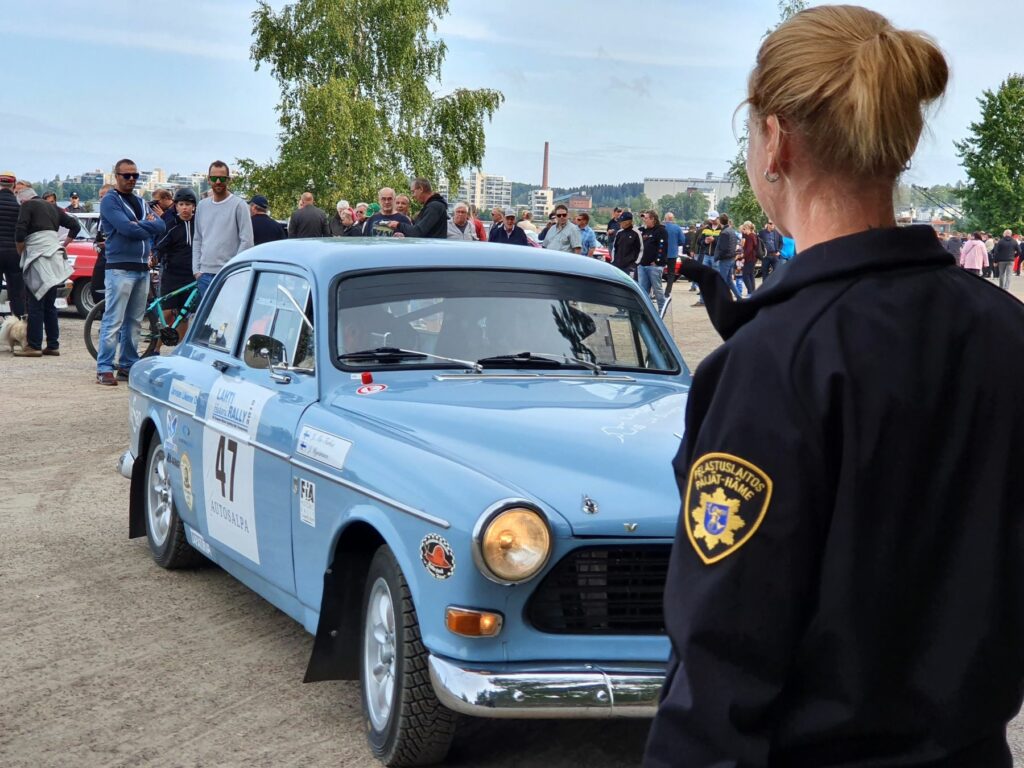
507, 232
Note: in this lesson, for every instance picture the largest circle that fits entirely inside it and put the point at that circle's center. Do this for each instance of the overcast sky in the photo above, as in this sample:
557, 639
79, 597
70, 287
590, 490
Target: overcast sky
620, 94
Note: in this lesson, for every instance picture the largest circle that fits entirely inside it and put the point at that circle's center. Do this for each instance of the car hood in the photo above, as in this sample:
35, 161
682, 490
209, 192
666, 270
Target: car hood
574, 444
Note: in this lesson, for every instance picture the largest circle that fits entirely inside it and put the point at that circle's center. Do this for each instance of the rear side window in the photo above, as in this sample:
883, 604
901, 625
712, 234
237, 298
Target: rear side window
222, 323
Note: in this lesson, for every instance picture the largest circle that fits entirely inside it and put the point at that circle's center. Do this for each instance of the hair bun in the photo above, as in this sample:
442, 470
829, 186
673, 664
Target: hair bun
852, 84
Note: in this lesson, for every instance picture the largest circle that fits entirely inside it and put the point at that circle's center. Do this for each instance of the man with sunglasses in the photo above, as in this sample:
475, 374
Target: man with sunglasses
771, 242
128, 227
223, 227
564, 235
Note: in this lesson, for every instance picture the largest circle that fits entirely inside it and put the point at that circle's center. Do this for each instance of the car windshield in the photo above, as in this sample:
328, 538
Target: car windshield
487, 319
89, 227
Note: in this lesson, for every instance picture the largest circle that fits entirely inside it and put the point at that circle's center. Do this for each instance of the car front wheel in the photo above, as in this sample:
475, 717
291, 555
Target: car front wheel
406, 724
164, 529
81, 297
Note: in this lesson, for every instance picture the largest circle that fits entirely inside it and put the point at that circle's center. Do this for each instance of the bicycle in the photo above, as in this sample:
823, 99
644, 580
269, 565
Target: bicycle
155, 330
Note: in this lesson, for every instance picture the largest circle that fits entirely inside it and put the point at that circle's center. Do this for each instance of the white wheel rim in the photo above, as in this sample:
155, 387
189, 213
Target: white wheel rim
379, 655
158, 497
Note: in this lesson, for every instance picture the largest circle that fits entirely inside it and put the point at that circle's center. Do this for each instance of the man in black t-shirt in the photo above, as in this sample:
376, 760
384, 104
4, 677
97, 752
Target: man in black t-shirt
374, 226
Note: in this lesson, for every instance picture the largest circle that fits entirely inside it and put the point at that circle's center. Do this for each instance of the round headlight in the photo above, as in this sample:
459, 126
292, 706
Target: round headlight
515, 544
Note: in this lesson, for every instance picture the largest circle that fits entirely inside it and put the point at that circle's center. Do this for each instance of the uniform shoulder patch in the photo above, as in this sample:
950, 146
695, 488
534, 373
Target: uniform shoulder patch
726, 501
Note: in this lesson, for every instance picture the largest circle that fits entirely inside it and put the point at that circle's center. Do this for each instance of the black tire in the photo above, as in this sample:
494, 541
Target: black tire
417, 729
91, 328
164, 529
149, 334
81, 297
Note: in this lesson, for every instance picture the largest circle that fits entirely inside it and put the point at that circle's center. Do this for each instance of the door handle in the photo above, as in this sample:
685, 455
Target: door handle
223, 367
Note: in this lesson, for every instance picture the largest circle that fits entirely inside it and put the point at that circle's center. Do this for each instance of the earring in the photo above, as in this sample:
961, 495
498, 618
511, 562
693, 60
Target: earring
771, 178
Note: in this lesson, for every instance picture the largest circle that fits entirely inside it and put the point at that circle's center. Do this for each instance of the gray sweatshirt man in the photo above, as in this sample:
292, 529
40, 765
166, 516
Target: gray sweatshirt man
222, 229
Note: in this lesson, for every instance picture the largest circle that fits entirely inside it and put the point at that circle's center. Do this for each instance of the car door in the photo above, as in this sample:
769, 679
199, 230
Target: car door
249, 418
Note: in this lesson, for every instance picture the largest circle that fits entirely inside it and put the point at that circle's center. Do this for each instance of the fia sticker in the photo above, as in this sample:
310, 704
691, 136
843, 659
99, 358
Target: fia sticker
371, 389
198, 542
184, 395
323, 447
307, 502
726, 501
186, 480
437, 556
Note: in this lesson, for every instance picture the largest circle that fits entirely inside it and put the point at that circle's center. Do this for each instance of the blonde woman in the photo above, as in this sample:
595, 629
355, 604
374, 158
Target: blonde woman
845, 587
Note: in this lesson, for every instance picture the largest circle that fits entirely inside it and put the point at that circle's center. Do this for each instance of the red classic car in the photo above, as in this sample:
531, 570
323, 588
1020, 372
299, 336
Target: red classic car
82, 257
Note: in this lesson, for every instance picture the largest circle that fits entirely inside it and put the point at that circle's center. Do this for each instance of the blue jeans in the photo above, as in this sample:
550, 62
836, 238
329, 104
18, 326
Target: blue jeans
726, 268
649, 279
203, 282
125, 294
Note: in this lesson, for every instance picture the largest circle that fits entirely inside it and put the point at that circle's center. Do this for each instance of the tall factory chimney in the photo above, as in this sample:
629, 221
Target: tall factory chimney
544, 180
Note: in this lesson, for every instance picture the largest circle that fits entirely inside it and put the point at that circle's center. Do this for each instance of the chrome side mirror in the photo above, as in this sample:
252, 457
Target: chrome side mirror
264, 352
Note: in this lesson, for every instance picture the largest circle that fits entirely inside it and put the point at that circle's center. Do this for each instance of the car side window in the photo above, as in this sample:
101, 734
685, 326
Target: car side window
220, 327
275, 312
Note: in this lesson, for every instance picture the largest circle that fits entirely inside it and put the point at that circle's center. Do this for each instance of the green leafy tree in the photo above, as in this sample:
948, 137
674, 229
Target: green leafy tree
357, 109
639, 203
743, 206
687, 206
993, 158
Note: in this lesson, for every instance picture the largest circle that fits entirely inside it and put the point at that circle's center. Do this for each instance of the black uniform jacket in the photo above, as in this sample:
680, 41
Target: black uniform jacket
846, 586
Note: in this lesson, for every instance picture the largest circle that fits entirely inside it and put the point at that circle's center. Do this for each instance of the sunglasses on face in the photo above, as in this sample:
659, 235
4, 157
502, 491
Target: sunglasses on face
561, 215
219, 179
129, 176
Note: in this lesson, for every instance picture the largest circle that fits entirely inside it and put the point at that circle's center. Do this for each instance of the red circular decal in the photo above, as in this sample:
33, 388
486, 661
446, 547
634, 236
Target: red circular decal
371, 389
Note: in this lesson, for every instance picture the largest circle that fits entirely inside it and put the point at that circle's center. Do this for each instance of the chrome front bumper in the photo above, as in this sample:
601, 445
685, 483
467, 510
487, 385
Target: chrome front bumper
534, 691
125, 464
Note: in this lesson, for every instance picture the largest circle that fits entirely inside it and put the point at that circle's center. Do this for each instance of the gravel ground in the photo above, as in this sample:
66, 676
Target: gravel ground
107, 660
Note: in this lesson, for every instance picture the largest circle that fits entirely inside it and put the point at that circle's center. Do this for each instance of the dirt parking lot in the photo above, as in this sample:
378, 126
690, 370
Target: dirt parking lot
107, 660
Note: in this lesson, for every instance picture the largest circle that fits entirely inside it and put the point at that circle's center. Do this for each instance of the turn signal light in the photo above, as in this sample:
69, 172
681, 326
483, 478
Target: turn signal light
470, 623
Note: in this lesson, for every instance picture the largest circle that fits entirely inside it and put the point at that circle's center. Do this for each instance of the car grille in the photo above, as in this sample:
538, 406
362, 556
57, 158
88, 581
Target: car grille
603, 591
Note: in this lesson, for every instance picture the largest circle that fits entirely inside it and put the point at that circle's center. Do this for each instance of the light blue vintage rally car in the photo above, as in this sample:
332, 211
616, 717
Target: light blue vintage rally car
449, 461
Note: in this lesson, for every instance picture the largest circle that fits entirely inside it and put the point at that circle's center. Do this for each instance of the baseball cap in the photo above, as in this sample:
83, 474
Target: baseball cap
510, 212
625, 216
712, 214
74, 195
259, 201
8, 177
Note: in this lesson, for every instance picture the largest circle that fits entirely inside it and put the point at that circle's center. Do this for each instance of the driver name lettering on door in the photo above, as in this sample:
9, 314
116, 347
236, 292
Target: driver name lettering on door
233, 417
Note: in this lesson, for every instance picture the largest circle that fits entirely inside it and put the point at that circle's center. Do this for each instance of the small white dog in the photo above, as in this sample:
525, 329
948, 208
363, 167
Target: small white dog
13, 331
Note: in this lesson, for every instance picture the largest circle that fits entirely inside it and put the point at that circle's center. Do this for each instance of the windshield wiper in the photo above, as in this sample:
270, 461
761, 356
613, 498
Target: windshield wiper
396, 353
548, 358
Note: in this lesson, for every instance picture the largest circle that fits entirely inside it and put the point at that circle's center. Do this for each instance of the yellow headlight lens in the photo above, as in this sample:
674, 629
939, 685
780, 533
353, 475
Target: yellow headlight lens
515, 544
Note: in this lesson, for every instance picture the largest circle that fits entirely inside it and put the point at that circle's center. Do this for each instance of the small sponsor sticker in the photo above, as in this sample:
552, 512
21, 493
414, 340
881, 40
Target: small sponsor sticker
437, 556
371, 389
307, 502
199, 543
184, 395
323, 447
172, 430
186, 480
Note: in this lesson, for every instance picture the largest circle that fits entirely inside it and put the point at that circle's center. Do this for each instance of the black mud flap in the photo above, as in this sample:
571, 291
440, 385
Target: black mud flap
336, 647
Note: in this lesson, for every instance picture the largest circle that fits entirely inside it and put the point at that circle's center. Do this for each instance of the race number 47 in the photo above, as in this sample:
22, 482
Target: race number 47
226, 475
